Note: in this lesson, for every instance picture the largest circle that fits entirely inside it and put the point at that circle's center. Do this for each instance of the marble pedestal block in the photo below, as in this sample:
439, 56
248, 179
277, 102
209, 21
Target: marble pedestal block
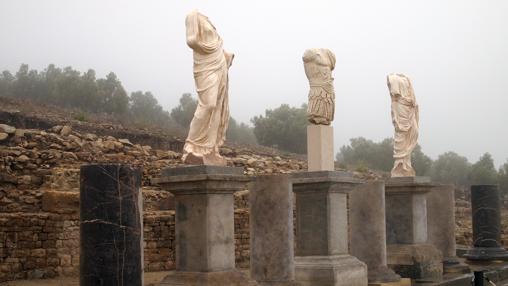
486, 211
406, 230
204, 224
441, 226
271, 229
111, 226
322, 230
320, 155
368, 230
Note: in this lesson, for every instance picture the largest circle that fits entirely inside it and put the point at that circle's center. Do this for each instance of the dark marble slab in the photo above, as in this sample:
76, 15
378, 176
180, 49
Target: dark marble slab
111, 225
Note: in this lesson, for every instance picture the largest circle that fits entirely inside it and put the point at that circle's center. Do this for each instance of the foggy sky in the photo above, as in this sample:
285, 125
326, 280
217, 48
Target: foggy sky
455, 52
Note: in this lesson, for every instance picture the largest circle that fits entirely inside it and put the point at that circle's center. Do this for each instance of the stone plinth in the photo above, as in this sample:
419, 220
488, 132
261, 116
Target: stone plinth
406, 226
271, 229
322, 230
320, 155
111, 225
441, 226
368, 230
204, 224
486, 224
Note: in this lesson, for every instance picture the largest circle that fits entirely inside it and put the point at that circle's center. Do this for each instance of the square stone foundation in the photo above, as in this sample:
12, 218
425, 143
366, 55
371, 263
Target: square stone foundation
204, 224
408, 253
334, 270
322, 256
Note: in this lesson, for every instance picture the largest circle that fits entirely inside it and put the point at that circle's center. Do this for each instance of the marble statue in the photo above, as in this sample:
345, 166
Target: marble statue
319, 64
207, 130
405, 120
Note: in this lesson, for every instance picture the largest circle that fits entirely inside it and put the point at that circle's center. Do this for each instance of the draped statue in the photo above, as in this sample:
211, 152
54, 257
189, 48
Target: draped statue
207, 130
405, 120
319, 64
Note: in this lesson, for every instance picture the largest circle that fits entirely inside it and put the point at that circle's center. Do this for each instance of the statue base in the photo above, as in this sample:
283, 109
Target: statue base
212, 159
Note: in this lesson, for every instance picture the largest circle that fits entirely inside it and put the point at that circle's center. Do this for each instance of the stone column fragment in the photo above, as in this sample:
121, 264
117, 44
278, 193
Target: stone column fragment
111, 229
204, 224
486, 211
441, 226
271, 230
368, 230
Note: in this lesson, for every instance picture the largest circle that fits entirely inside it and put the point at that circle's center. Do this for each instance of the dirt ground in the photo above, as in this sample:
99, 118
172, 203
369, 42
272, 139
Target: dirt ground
150, 277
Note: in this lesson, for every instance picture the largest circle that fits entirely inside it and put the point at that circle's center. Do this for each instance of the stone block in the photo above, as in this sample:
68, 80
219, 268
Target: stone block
368, 230
320, 154
402, 282
271, 229
60, 202
421, 262
334, 270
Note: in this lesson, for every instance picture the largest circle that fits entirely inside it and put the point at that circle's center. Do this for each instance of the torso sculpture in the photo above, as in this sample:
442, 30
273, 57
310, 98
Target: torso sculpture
319, 64
405, 120
211, 64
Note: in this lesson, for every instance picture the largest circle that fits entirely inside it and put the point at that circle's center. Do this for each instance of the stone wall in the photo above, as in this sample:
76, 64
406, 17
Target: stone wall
39, 245
46, 245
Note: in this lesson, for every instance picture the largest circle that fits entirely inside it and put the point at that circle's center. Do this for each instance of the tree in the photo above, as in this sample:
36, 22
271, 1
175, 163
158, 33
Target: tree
284, 127
113, 95
6, 82
503, 179
483, 171
420, 162
364, 153
450, 168
240, 133
145, 109
184, 112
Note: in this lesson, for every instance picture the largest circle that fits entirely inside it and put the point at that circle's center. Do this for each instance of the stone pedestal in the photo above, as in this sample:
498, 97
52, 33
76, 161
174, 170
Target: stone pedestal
441, 226
271, 229
320, 155
111, 226
204, 224
368, 230
486, 206
322, 230
406, 226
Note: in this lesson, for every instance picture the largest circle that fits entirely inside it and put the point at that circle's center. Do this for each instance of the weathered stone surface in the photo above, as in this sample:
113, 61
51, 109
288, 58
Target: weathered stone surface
406, 210
368, 230
320, 156
271, 225
60, 202
66, 130
441, 226
421, 262
7, 129
334, 270
486, 224
216, 278
111, 234
3, 136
